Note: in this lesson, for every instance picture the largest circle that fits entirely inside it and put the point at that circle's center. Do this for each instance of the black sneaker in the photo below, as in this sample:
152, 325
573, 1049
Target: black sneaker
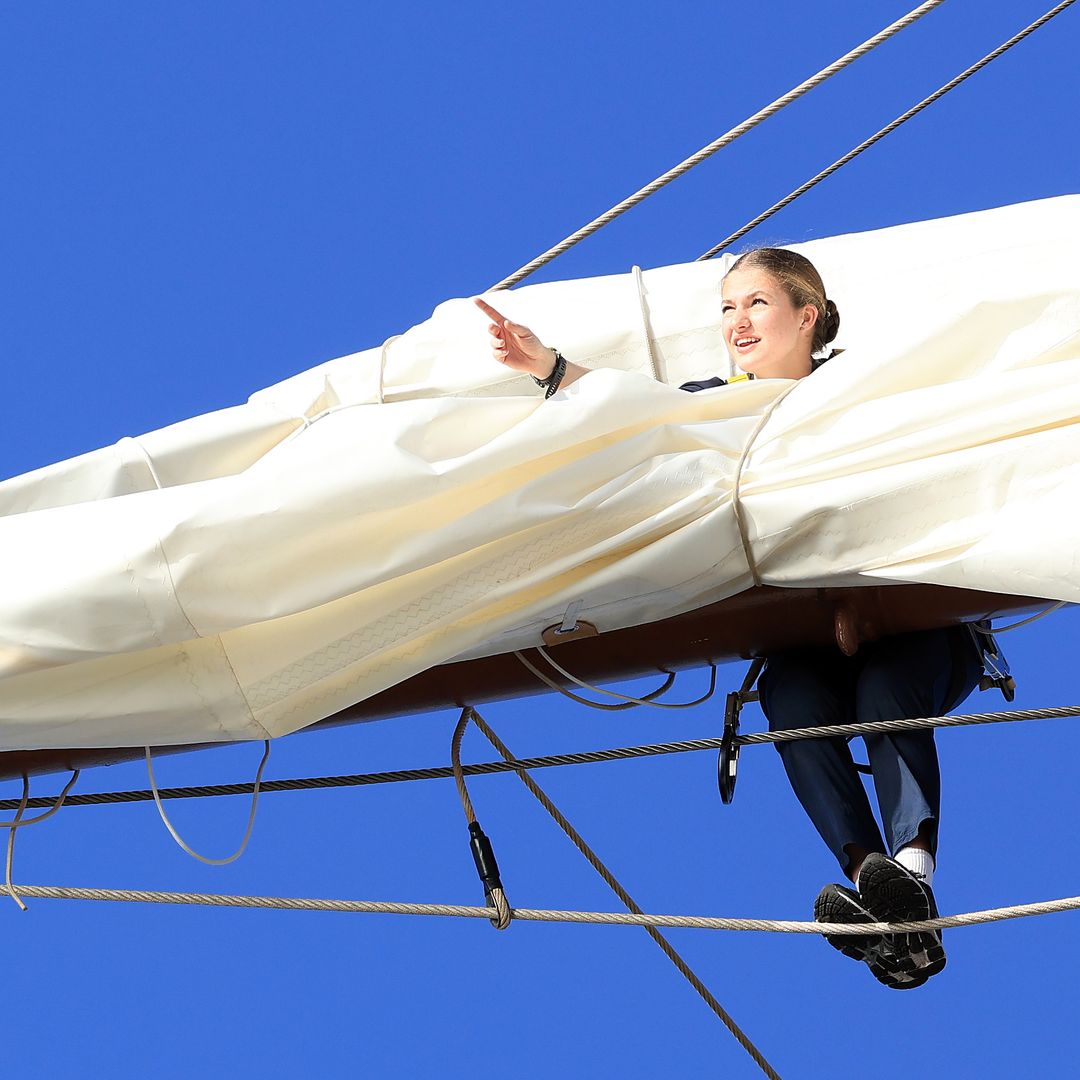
838, 904
892, 893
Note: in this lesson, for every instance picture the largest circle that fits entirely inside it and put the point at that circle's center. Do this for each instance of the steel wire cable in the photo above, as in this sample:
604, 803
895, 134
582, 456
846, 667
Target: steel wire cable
717, 144
585, 757
802, 189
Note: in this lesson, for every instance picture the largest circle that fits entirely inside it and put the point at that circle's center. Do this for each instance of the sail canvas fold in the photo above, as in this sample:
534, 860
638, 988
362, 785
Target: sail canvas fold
249, 572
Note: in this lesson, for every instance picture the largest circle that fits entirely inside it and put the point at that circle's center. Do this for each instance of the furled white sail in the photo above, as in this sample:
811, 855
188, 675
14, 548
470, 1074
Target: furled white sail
248, 572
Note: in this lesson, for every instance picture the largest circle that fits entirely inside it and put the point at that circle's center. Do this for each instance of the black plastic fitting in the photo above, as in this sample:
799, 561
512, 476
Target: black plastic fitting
484, 857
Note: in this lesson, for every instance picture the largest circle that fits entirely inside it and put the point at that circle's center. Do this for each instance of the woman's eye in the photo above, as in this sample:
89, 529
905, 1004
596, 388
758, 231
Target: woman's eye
759, 300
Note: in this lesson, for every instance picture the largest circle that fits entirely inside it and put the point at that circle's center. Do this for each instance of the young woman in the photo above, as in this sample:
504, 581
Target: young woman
777, 323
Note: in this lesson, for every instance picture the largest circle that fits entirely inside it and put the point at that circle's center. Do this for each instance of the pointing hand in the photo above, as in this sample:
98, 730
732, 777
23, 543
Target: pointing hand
515, 345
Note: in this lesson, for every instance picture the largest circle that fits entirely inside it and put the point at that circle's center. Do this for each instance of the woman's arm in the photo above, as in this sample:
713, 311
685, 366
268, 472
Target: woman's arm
520, 349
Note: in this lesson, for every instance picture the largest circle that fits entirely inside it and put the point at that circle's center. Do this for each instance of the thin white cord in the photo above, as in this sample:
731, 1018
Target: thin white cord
17, 824
621, 707
570, 617
736, 488
146, 457
251, 817
1023, 622
614, 694
384, 353
650, 345
11, 843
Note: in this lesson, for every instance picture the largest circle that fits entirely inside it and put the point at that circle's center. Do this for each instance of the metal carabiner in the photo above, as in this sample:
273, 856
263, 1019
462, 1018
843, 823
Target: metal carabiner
727, 763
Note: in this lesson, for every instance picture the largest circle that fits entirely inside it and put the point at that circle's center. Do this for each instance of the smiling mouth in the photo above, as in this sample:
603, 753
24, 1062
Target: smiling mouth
744, 343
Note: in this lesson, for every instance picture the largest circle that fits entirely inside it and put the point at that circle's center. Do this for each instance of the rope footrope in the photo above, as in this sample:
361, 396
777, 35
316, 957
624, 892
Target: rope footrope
548, 915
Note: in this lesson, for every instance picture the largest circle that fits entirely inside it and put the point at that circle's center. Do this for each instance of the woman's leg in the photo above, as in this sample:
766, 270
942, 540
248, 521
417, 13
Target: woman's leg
906, 676
808, 688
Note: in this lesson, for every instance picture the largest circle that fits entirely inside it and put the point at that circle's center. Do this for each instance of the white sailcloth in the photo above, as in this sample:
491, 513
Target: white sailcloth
248, 572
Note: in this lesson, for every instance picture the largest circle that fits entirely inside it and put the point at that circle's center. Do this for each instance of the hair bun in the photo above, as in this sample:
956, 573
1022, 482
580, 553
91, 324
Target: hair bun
830, 324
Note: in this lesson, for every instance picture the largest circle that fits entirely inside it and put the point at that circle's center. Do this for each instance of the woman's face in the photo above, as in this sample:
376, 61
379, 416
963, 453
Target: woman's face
765, 333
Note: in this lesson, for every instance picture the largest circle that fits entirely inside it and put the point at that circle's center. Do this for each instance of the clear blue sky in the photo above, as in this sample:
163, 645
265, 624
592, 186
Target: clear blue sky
201, 199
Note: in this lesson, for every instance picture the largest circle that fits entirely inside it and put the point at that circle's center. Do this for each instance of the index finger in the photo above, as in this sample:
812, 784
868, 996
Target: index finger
489, 311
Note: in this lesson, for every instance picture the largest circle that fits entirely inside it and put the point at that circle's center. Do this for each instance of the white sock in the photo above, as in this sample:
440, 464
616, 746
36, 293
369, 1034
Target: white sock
919, 862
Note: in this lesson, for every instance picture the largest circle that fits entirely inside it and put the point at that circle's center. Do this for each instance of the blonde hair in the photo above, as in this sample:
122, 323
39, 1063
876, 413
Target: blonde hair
799, 279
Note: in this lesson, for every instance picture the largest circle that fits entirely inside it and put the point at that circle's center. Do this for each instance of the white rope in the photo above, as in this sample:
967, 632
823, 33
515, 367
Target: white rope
718, 144
251, 817
19, 824
603, 706
11, 842
648, 700
736, 487
598, 918
384, 353
1023, 622
646, 326
146, 458
570, 617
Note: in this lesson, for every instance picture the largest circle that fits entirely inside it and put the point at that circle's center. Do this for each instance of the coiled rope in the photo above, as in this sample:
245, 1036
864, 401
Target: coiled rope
887, 130
718, 144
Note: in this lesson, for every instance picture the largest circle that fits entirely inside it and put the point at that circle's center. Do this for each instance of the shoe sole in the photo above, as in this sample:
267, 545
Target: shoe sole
892, 896
834, 904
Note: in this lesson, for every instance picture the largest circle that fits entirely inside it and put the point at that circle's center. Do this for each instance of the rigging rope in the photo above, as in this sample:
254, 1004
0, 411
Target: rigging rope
586, 757
718, 144
578, 840
887, 130
598, 918
493, 888
651, 923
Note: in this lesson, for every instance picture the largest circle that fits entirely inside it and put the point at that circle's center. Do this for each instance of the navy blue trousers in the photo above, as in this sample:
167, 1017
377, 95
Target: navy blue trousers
908, 675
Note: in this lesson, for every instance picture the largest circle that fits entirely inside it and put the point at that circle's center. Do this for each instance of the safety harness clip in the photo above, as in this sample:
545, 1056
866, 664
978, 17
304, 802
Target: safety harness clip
727, 764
